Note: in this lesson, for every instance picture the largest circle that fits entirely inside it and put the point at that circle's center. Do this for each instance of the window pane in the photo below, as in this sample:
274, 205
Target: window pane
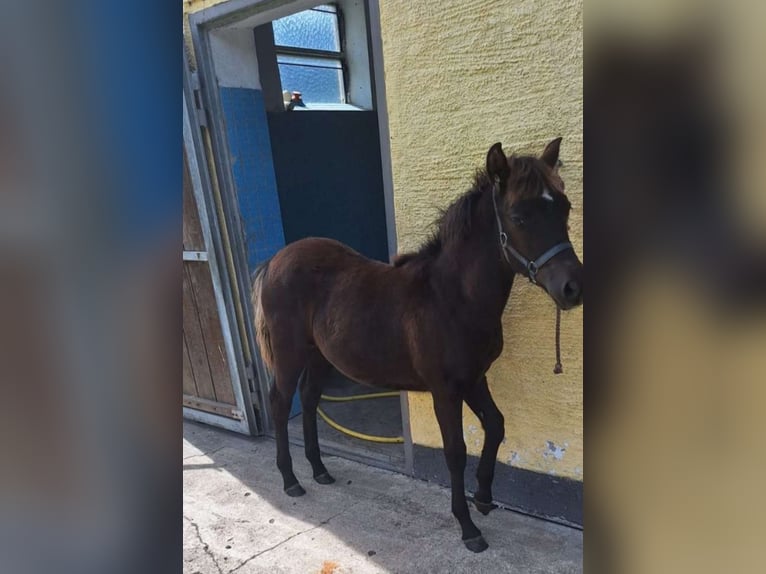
316, 29
320, 80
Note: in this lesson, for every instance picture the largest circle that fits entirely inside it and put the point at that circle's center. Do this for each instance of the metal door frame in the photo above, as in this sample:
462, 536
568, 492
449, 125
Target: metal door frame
201, 185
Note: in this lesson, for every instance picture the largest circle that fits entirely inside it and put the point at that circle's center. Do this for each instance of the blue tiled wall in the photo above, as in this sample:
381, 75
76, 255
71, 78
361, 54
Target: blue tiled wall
247, 133
253, 169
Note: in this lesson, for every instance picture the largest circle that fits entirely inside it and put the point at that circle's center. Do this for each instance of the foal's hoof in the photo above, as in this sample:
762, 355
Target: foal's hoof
484, 507
324, 478
477, 544
295, 490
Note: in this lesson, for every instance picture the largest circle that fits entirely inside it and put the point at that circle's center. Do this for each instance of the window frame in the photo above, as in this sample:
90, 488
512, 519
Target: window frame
331, 55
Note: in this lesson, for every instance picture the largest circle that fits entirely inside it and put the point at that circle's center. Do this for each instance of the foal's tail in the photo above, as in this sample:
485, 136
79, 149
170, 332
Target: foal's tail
262, 334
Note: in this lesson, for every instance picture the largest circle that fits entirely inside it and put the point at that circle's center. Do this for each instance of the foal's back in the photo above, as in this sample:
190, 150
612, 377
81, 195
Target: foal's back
316, 269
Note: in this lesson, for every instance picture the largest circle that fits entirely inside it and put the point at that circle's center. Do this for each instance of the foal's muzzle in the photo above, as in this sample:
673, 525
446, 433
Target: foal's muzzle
571, 292
564, 283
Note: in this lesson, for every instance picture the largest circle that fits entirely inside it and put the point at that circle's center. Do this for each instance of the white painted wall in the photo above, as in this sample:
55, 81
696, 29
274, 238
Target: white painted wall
234, 58
357, 54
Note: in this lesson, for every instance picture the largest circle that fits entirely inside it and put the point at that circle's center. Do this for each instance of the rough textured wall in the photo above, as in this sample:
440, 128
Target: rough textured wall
461, 75
190, 7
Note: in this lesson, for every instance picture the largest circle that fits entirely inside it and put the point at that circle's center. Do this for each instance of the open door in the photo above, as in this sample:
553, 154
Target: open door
216, 389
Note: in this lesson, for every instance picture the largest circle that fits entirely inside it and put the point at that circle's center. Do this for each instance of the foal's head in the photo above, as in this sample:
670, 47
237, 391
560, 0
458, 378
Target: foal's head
532, 212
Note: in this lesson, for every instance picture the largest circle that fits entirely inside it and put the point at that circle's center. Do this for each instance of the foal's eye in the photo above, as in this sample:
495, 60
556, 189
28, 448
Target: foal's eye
517, 220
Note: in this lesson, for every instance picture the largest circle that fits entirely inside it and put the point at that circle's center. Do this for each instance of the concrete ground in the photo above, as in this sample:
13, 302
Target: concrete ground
237, 519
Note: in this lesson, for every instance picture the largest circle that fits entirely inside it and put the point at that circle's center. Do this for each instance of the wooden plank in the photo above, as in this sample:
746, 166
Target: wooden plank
234, 425
189, 384
209, 319
195, 256
212, 407
195, 341
192, 228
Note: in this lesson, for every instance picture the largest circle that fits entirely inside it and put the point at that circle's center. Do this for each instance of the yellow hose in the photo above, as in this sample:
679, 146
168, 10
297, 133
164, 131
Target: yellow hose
360, 397
353, 433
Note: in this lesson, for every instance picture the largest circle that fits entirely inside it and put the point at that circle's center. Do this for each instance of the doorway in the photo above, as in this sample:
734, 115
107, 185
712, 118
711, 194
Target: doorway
294, 96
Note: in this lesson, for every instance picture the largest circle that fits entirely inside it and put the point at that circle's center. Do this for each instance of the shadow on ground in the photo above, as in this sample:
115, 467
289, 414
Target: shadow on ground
237, 519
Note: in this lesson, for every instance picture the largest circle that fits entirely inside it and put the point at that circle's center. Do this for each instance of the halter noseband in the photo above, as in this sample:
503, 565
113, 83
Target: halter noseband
532, 266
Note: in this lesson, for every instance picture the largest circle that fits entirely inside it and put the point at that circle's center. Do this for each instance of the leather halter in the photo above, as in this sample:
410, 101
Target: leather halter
531, 266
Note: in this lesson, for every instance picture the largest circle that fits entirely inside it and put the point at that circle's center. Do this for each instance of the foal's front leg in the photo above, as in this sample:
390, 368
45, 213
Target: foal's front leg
480, 401
448, 409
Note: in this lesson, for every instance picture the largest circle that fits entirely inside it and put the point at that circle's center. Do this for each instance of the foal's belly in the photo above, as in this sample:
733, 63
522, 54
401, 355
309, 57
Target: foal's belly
398, 383
372, 371
370, 357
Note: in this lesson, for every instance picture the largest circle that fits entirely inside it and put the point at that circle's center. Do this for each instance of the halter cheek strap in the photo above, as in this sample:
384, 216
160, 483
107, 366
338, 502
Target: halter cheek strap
532, 266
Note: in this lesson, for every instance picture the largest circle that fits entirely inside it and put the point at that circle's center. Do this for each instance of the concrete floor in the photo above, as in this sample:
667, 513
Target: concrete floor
237, 519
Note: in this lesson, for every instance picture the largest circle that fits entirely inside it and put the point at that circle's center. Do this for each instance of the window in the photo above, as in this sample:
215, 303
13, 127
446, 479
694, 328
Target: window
310, 55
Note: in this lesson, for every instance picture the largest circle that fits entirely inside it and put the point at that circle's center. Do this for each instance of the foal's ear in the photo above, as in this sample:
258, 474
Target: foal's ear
551, 153
497, 163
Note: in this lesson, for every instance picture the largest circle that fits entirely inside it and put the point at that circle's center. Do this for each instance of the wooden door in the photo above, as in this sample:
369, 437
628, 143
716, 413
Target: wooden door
207, 379
213, 371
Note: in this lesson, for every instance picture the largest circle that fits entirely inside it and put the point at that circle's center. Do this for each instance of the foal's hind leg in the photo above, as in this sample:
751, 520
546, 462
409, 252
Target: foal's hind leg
311, 391
480, 401
281, 395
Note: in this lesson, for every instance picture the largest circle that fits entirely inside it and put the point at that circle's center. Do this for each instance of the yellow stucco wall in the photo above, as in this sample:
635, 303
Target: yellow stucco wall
461, 75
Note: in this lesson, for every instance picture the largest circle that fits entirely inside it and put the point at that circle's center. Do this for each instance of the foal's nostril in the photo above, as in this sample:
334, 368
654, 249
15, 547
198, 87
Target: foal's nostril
572, 291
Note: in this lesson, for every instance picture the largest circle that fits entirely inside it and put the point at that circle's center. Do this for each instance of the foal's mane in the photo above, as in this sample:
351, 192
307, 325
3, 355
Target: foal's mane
528, 177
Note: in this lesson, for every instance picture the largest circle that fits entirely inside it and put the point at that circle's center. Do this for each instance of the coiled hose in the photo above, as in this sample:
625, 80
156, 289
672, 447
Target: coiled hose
353, 433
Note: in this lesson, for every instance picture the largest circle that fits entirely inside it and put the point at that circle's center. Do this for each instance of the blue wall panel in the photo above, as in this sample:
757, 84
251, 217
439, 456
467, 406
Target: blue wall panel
247, 132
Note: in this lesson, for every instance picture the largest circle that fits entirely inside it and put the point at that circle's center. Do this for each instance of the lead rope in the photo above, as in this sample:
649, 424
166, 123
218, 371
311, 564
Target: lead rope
558, 368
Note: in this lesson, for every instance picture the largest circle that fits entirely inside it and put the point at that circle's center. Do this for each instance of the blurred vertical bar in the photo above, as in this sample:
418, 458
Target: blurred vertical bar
676, 322
90, 280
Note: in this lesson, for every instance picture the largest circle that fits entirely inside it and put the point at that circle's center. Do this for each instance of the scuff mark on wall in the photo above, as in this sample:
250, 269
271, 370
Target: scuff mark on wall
473, 436
555, 451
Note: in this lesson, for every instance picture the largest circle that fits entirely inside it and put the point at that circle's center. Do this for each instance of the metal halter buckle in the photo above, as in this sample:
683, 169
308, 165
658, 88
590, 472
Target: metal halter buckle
532, 271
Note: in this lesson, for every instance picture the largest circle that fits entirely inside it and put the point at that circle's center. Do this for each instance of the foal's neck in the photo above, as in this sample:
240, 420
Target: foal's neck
475, 265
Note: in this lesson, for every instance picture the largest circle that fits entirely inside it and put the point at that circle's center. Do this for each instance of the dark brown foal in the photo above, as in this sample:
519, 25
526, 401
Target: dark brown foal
429, 322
